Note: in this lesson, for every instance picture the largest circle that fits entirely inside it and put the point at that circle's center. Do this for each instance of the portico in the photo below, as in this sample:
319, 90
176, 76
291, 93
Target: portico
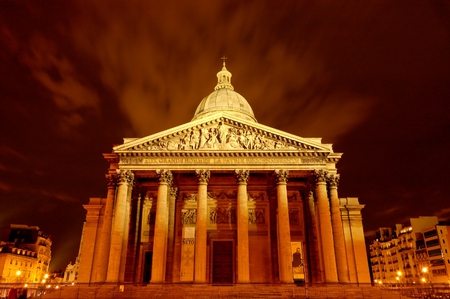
224, 199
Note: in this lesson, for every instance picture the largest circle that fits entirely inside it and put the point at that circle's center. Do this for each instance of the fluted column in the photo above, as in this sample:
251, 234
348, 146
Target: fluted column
315, 252
119, 226
200, 226
284, 233
326, 232
102, 262
160, 236
171, 232
338, 231
243, 273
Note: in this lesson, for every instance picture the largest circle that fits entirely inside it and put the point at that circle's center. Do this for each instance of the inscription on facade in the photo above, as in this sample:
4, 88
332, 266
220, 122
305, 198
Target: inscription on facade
222, 161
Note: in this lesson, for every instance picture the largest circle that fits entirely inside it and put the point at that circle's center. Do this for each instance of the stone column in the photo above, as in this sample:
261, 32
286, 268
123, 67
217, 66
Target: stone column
160, 237
102, 263
284, 231
326, 232
315, 249
243, 273
338, 231
200, 226
119, 227
171, 232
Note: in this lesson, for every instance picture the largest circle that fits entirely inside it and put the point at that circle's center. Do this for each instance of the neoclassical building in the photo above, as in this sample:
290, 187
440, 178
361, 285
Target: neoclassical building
223, 199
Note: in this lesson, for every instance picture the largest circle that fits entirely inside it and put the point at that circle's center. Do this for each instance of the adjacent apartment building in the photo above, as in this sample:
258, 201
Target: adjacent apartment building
25, 254
418, 253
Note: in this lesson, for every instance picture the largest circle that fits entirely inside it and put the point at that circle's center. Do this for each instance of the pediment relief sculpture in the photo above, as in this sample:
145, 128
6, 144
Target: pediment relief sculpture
222, 136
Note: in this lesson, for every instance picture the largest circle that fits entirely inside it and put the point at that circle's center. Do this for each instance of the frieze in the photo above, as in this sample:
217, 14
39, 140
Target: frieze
220, 160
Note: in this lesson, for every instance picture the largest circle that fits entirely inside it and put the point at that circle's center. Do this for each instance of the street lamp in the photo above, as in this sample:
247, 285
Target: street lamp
18, 275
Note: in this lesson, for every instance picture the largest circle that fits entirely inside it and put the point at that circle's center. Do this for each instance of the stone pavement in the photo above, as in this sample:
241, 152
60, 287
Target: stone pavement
204, 291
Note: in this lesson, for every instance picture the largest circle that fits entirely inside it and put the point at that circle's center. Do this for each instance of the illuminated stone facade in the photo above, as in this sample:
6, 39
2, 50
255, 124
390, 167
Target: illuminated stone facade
223, 199
25, 255
417, 254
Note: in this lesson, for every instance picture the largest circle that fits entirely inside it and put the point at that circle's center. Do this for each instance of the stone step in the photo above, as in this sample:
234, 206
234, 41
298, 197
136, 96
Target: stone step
249, 291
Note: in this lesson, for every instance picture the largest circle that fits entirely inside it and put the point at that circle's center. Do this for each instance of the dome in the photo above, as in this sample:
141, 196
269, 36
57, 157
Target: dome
224, 99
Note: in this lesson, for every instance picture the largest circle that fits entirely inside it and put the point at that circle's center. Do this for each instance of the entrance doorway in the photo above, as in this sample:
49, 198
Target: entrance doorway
222, 262
148, 266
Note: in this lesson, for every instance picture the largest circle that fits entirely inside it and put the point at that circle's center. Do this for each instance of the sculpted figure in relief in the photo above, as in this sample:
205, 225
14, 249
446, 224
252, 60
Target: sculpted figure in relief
222, 137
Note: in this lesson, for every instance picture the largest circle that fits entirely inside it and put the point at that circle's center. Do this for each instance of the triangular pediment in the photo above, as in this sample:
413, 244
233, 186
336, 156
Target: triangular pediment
222, 132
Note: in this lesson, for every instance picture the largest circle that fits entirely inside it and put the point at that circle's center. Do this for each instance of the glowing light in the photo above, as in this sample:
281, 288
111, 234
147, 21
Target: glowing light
46, 276
18, 272
399, 273
424, 269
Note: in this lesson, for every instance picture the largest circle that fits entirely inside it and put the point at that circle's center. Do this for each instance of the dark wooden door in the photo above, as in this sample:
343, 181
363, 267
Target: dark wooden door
222, 267
148, 266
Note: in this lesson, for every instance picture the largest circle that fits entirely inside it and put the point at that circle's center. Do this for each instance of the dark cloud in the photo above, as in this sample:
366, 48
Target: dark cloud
78, 76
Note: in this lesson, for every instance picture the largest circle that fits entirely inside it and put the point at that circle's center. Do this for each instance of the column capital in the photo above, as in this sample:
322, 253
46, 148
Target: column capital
241, 176
111, 180
164, 176
333, 180
173, 191
281, 176
320, 176
124, 176
203, 175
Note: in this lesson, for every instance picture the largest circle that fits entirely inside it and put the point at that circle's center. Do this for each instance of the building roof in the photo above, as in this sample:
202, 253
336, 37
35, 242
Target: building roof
224, 99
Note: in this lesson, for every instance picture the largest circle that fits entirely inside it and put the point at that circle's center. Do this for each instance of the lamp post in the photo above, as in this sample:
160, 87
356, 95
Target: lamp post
399, 280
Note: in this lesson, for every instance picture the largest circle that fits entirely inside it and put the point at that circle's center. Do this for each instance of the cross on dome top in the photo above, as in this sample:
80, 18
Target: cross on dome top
224, 77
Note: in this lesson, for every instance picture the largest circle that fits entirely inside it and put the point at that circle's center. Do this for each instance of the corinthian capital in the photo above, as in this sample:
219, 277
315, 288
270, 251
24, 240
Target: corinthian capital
281, 176
333, 180
203, 175
320, 175
164, 176
173, 191
111, 180
124, 176
241, 176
